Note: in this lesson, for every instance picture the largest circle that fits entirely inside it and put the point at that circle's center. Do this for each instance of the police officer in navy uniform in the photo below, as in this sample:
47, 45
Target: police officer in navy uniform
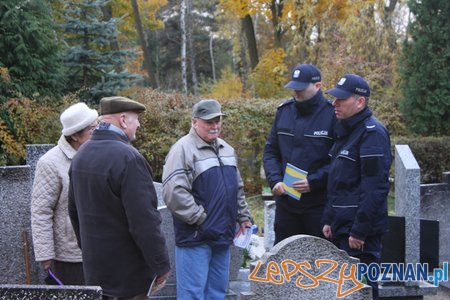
358, 184
302, 135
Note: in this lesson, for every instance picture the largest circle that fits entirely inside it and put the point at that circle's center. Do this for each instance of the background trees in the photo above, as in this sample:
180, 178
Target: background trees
235, 50
93, 59
425, 68
29, 61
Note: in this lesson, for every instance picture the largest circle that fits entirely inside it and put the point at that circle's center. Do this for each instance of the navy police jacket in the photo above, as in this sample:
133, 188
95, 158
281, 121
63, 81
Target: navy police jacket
358, 182
302, 135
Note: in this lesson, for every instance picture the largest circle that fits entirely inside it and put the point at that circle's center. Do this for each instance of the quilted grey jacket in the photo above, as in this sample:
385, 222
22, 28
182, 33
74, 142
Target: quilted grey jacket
53, 235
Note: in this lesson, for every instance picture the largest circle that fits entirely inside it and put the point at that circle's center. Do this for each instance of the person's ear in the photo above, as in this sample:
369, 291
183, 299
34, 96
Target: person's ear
74, 137
123, 121
361, 102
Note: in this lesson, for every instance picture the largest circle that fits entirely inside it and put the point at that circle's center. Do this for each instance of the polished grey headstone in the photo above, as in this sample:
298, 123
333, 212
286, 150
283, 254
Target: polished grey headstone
435, 205
15, 193
407, 201
158, 188
304, 249
269, 221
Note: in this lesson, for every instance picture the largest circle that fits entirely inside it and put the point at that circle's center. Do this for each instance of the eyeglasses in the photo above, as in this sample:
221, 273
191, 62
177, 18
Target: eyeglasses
91, 128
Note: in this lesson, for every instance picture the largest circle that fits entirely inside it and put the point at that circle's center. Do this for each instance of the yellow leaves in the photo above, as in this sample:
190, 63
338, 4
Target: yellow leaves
25, 122
229, 86
270, 74
242, 7
4, 74
148, 11
9, 144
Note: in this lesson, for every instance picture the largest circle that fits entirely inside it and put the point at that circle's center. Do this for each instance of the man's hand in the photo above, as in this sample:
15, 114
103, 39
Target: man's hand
46, 264
326, 230
355, 243
246, 225
161, 279
301, 186
278, 189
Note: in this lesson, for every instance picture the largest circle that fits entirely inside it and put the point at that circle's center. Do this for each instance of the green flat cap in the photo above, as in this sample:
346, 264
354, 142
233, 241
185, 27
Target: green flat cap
117, 104
207, 109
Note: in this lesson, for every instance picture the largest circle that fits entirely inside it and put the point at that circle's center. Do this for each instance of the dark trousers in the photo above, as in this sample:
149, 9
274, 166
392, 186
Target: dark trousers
370, 253
68, 273
289, 223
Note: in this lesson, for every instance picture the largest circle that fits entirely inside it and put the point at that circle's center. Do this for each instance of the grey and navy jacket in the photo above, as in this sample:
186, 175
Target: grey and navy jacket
203, 189
302, 135
358, 183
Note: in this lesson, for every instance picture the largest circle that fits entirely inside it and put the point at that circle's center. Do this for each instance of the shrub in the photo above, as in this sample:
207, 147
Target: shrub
431, 153
269, 75
245, 127
23, 121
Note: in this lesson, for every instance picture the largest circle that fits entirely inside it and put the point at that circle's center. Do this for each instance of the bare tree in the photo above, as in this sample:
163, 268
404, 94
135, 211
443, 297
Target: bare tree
183, 9
211, 52
276, 8
191, 45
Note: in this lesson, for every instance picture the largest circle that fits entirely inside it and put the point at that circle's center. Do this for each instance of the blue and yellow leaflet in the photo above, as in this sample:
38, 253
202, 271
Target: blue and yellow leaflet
292, 174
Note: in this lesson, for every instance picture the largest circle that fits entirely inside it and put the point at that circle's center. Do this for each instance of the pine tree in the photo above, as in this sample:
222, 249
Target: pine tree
425, 68
29, 62
91, 63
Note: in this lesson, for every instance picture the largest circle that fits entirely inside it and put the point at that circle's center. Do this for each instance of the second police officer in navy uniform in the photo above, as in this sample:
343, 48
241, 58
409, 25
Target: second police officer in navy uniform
302, 135
358, 183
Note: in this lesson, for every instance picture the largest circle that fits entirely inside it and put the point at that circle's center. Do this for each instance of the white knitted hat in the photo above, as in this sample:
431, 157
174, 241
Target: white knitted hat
76, 118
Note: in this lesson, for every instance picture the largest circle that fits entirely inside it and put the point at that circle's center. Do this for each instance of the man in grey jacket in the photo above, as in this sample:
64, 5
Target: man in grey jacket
203, 189
113, 207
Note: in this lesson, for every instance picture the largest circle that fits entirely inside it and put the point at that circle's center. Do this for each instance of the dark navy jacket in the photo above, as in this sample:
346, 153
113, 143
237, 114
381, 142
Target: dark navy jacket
113, 209
302, 134
358, 182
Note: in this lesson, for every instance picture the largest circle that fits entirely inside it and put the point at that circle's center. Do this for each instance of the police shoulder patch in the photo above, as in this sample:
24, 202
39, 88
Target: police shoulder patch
371, 125
285, 103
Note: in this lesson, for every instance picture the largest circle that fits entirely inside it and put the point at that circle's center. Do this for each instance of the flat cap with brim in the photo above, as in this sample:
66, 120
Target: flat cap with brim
207, 109
117, 104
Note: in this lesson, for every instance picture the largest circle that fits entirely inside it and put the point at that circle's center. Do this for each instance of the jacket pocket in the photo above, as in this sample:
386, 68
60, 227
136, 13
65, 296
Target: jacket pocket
345, 171
345, 207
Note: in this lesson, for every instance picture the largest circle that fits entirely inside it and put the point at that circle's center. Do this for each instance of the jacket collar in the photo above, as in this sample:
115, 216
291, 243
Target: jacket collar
309, 106
345, 127
200, 143
109, 130
66, 148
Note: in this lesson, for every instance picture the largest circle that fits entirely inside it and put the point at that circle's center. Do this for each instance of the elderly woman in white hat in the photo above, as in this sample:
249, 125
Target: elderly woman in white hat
55, 244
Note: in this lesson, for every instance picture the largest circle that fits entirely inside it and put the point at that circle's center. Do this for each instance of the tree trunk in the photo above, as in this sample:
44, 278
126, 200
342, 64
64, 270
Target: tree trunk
191, 46
247, 26
276, 7
211, 53
144, 45
241, 63
183, 45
